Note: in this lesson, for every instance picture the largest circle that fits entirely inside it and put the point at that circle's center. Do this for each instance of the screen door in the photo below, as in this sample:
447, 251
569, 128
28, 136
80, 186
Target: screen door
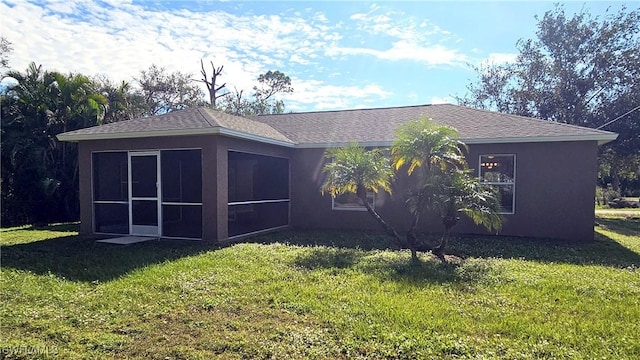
144, 182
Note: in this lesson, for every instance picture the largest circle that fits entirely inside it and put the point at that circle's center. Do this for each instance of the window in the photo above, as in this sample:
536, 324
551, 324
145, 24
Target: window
351, 201
500, 171
258, 192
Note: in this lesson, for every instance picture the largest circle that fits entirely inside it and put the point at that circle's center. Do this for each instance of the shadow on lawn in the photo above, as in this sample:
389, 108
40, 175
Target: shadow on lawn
81, 258
62, 227
364, 240
602, 251
388, 266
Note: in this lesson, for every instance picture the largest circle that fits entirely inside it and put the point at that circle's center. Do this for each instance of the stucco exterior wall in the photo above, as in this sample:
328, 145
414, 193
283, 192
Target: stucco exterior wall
555, 188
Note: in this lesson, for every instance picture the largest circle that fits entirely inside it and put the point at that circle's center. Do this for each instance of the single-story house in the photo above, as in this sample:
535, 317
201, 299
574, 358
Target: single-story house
203, 174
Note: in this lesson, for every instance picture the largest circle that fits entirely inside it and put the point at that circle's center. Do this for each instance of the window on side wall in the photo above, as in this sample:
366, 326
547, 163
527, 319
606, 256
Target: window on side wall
351, 201
500, 171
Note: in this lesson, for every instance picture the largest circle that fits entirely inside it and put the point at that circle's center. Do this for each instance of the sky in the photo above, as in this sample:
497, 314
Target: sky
339, 55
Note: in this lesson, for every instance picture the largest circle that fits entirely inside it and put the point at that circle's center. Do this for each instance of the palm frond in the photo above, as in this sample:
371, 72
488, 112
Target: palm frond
425, 144
352, 167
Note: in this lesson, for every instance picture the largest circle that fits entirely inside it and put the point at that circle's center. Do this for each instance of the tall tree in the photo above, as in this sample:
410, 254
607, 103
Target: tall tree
122, 102
39, 174
211, 83
163, 92
580, 70
237, 103
269, 84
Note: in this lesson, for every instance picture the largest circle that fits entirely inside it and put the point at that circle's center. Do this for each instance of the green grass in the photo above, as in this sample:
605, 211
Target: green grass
320, 295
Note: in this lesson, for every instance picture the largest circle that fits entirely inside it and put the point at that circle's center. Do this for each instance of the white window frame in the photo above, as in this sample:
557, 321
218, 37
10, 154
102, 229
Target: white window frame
500, 183
370, 194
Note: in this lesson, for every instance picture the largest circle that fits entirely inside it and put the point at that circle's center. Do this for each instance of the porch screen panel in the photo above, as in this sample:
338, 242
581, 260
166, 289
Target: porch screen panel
258, 192
181, 175
110, 192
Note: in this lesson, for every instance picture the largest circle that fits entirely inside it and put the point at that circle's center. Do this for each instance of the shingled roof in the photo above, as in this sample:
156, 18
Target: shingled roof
378, 126
191, 121
374, 127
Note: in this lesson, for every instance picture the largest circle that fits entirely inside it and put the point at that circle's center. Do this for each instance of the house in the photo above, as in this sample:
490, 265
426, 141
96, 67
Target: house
203, 174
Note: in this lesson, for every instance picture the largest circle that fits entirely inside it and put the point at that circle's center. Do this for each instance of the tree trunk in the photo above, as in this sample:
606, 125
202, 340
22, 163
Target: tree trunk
615, 178
615, 182
448, 221
412, 238
439, 250
362, 194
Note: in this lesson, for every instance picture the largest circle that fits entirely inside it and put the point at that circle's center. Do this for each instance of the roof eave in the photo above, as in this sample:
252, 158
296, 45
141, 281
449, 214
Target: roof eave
600, 138
175, 132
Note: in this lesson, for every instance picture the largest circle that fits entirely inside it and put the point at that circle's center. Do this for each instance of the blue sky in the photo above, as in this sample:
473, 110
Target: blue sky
339, 54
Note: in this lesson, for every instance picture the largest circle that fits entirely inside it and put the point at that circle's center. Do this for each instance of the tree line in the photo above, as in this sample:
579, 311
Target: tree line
579, 70
39, 174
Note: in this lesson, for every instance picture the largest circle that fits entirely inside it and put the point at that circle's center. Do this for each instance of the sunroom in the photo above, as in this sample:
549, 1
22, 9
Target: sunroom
214, 184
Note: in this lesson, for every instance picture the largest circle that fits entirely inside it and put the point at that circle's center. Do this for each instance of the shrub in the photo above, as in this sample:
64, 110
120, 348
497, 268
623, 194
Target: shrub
605, 195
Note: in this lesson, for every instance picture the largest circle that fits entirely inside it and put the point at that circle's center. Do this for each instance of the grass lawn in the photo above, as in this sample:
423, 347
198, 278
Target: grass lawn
320, 295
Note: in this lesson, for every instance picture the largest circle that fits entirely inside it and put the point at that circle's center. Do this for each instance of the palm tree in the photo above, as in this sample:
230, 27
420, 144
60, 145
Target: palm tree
354, 169
40, 105
423, 144
454, 192
444, 185
77, 105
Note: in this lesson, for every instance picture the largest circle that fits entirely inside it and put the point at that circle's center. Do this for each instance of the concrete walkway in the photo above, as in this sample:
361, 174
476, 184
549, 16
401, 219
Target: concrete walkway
126, 240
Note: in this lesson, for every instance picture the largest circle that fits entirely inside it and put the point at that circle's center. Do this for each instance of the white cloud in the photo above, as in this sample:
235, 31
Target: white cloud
431, 55
118, 38
397, 36
326, 96
63, 6
321, 17
382, 21
85, 37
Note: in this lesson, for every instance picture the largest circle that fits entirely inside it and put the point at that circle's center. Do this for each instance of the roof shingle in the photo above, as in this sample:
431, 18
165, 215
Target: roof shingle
335, 128
379, 125
189, 121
